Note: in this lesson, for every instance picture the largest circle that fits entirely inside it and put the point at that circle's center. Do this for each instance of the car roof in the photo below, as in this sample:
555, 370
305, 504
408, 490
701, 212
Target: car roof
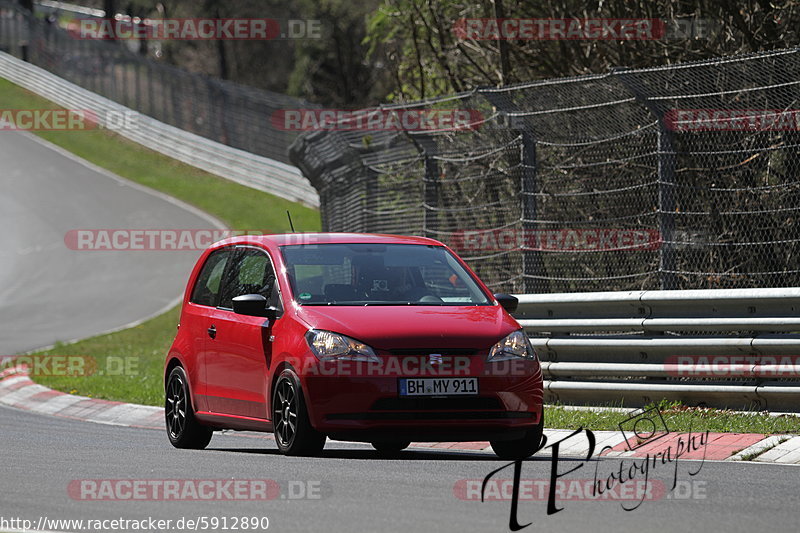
287, 239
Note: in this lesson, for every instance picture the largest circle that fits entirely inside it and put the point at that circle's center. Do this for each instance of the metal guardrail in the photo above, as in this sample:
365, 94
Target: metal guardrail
236, 165
612, 347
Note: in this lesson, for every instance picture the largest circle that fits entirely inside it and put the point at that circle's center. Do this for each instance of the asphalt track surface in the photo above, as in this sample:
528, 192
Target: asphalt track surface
49, 293
359, 491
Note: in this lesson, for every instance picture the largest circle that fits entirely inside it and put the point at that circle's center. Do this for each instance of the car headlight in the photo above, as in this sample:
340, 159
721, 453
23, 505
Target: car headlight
327, 345
515, 345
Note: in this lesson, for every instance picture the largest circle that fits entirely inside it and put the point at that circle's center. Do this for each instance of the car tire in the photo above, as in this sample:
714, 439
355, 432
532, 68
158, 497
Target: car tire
520, 448
390, 446
183, 429
294, 433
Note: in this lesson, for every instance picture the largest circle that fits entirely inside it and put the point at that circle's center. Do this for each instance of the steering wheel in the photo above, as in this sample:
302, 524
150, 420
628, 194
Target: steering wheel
430, 298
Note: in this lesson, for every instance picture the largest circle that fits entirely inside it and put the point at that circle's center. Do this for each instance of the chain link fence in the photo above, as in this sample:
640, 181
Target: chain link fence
674, 177
677, 177
222, 111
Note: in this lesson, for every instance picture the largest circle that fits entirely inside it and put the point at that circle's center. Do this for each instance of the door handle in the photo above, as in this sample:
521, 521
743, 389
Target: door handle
212, 331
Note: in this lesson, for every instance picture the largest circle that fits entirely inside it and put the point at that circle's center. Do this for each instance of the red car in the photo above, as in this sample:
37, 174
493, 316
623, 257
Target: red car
370, 338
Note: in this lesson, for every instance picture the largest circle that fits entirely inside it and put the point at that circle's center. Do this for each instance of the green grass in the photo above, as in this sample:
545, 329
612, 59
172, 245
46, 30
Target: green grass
142, 349
239, 207
678, 418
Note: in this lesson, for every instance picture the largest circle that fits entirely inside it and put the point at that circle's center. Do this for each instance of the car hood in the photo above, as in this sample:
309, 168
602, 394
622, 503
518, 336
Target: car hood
408, 327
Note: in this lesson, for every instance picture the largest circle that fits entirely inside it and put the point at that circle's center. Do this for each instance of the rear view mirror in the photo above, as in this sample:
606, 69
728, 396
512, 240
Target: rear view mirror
507, 302
253, 305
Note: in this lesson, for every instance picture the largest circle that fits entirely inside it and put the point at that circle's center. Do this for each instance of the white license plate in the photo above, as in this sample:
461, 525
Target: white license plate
439, 387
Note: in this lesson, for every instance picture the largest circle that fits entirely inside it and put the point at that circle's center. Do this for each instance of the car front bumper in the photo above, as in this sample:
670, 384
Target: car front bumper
368, 407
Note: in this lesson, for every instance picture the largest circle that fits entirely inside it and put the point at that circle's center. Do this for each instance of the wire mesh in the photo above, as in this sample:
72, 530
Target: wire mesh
678, 177
223, 111
684, 176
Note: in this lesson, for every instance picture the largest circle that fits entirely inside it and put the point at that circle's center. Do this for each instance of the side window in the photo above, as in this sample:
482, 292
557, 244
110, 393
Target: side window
207, 287
252, 273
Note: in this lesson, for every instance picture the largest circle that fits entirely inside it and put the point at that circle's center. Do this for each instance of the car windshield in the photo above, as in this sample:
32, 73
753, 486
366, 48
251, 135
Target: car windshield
379, 274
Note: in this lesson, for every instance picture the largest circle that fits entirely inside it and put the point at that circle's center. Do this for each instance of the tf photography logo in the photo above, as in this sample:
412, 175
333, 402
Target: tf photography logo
643, 427
627, 480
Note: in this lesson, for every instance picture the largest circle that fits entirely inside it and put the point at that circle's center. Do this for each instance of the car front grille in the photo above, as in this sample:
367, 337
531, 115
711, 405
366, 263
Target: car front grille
417, 352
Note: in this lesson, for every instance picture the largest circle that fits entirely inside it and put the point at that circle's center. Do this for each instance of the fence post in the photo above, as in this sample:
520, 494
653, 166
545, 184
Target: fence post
5, 23
25, 40
371, 192
151, 94
137, 82
430, 220
531, 259
666, 207
666, 181
165, 97
532, 264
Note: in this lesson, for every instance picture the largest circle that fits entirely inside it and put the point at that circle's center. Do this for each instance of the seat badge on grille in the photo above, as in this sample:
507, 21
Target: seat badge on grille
435, 358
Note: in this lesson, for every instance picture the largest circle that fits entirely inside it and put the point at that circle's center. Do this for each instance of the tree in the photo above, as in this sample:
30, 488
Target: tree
333, 69
427, 55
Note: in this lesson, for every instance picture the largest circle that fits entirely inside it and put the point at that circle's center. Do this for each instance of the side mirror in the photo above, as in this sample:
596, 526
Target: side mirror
253, 305
507, 302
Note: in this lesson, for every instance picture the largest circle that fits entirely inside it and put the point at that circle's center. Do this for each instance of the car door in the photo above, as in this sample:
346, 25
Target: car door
238, 364
199, 317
